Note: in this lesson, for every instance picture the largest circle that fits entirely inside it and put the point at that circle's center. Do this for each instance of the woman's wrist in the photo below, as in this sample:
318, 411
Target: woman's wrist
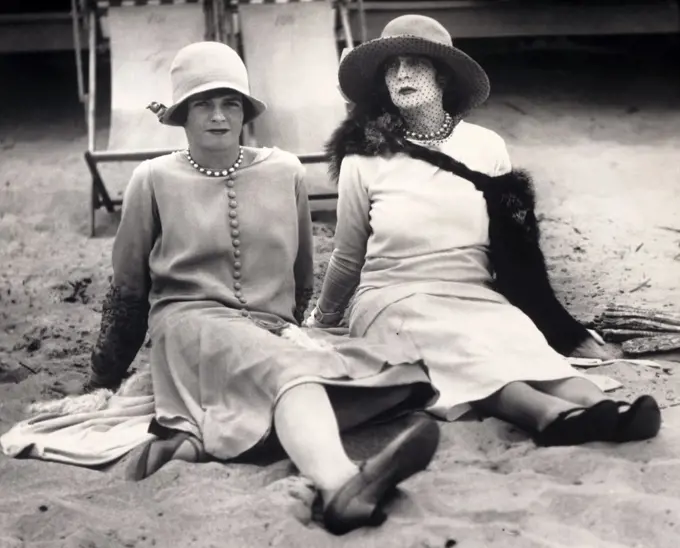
326, 318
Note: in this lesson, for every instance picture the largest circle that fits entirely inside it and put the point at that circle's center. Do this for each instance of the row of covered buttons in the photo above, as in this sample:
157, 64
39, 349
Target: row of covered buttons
235, 233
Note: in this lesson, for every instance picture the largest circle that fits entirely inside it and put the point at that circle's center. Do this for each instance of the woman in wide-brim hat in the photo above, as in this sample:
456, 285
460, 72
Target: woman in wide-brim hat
214, 254
439, 234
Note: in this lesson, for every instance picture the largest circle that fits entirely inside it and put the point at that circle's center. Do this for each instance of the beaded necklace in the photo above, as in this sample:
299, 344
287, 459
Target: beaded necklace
216, 172
442, 133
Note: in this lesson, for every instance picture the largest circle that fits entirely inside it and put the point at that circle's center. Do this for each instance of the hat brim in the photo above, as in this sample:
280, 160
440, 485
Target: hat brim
357, 72
251, 111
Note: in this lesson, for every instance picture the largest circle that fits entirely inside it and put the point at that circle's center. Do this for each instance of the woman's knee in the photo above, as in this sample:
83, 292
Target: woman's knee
574, 389
355, 406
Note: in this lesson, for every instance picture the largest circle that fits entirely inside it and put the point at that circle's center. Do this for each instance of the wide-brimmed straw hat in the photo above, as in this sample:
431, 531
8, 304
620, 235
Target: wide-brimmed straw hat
412, 35
205, 66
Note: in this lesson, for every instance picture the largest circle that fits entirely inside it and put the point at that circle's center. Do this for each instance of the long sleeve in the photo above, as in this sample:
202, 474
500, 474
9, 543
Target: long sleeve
304, 262
351, 237
126, 306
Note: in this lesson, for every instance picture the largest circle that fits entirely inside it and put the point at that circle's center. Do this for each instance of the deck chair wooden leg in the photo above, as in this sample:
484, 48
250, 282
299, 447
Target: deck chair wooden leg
93, 209
99, 195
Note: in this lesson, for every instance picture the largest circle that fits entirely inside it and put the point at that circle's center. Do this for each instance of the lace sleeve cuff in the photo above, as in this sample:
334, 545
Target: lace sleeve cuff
302, 298
122, 332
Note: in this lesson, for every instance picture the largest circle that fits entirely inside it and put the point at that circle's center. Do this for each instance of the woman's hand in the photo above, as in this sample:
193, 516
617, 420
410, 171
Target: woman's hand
595, 347
96, 382
311, 321
314, 321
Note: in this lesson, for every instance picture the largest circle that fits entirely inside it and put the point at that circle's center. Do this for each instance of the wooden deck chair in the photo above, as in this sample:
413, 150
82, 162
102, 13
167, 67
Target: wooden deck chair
291, 53
143, 39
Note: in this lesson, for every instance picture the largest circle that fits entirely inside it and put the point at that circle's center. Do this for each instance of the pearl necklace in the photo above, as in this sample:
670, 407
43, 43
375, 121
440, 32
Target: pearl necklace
216, 172
441, 133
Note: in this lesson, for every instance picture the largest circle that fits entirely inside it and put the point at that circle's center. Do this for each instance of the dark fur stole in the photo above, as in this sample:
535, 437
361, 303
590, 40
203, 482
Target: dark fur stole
515, 253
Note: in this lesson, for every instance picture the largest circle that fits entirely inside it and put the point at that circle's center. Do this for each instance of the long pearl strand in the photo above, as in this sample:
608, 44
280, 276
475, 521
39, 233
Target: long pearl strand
216, 172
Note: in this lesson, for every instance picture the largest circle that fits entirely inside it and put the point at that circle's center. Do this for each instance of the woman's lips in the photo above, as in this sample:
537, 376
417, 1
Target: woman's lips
407, 91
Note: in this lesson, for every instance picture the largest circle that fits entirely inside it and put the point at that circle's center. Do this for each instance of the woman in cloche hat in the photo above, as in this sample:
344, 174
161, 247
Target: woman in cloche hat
214, 256
437, 240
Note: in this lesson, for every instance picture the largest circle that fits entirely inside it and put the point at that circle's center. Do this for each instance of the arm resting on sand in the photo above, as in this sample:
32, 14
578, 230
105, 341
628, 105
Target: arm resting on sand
351, 237
519, 263
126, 306
304, 262
525, 282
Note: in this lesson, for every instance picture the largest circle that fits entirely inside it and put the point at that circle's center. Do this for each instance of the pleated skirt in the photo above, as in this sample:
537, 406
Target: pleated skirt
219, 376
471, 347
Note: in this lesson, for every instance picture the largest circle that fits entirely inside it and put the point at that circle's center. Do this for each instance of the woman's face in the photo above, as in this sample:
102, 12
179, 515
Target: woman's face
412, 82
214, 120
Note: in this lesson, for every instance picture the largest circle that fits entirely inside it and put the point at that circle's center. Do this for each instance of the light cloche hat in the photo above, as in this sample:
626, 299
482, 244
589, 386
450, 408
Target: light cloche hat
205, 66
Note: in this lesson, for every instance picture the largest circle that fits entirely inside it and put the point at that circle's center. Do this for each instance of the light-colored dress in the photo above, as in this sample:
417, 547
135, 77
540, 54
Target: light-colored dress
221, 266
419, 237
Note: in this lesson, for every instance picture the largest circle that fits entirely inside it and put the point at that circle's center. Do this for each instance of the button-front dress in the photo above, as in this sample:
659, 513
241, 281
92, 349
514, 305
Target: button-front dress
222, 260
418, 236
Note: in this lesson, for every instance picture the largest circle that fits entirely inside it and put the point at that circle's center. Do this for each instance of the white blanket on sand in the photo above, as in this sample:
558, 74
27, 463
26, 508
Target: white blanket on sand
91, 438
96, 438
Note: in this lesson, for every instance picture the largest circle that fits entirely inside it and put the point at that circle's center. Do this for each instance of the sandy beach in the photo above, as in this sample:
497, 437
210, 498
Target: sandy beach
600, 134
